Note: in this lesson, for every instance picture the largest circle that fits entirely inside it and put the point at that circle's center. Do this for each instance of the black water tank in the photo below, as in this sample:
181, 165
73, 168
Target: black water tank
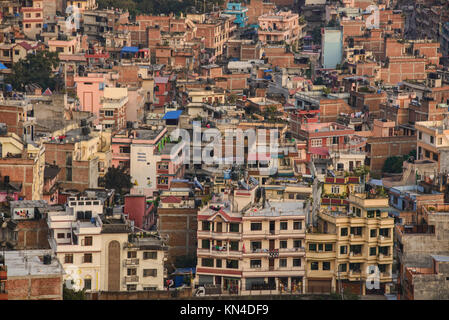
47, 259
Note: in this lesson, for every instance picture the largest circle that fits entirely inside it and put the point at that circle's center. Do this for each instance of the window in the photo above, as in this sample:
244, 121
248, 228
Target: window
312, 246
132, 254
440, 140
87, 284
234, 245
149, 288
205, 244
283, 225
328, 247
87, 258
125, 149
234, 227
342, 267
60, 235
150, 272
431, 139
232, 264
320, 247
16, 52
297, 262
218, 263
372, 251
326, 265
335, 189
255, 264
343, 249
206, 225
87, 241
131, 271
206, 262
282, 263
161, 180
357, 231
356, 249
297, 225
314, 266
384, 232
317, 142
149, 255
283, 244
344, 232
370, 214
373, 233
129, 287
256, 226
69, 235
68, 258
256, 245
427, 153
297, 243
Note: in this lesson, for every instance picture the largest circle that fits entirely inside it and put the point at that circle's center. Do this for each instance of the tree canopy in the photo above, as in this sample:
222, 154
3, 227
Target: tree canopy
394, 164
117, 179
35, 68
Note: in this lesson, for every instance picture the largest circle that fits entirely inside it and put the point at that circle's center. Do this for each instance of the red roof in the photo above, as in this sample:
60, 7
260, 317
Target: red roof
321, 151
26, 45
171, 199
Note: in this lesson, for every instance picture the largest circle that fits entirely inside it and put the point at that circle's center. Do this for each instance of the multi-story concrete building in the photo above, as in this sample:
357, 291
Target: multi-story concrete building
332, 47
99, 251
253, 250
344, 246
238, 11
416, 245
433, 142
280, 27
113, 109
154, 161
31, 275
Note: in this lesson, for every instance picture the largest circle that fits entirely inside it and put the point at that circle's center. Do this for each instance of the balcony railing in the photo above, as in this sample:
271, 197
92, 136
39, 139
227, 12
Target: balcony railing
131, 262
129, 279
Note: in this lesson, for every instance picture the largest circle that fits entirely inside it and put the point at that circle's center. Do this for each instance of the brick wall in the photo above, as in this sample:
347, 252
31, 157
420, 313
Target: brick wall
34, 288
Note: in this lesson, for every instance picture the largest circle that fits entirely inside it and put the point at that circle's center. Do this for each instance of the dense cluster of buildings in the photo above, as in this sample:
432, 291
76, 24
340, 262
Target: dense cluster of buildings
271, 148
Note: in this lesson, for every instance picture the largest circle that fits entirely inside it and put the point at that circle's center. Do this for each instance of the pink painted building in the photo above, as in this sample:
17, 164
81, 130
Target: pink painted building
139, 211
90, 90
121, 149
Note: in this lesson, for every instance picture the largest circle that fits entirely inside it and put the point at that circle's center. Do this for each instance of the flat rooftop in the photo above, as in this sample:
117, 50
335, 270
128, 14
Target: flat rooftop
23, 263
279, 208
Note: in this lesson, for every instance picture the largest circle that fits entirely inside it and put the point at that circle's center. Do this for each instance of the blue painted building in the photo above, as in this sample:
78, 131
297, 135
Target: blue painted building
237, 10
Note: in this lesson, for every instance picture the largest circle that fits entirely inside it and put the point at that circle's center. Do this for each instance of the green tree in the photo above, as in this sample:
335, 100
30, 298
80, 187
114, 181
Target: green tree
117, 179
70, 294
35, 68
394, 164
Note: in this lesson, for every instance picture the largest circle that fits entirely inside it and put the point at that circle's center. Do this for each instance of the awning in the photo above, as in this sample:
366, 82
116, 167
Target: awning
320, 151
172, 115
130, 50
2, 66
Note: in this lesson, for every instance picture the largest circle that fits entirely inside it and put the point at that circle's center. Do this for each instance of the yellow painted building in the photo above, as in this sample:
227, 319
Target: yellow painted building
344, 245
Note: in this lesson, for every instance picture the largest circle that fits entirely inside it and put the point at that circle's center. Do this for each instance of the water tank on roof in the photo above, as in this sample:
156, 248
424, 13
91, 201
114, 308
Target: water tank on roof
47, 259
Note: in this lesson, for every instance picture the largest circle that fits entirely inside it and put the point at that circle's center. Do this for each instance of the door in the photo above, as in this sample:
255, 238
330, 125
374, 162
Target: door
271, 245
272, 225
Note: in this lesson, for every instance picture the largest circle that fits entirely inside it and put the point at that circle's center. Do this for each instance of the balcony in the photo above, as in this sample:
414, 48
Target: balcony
131, 262
131, 279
